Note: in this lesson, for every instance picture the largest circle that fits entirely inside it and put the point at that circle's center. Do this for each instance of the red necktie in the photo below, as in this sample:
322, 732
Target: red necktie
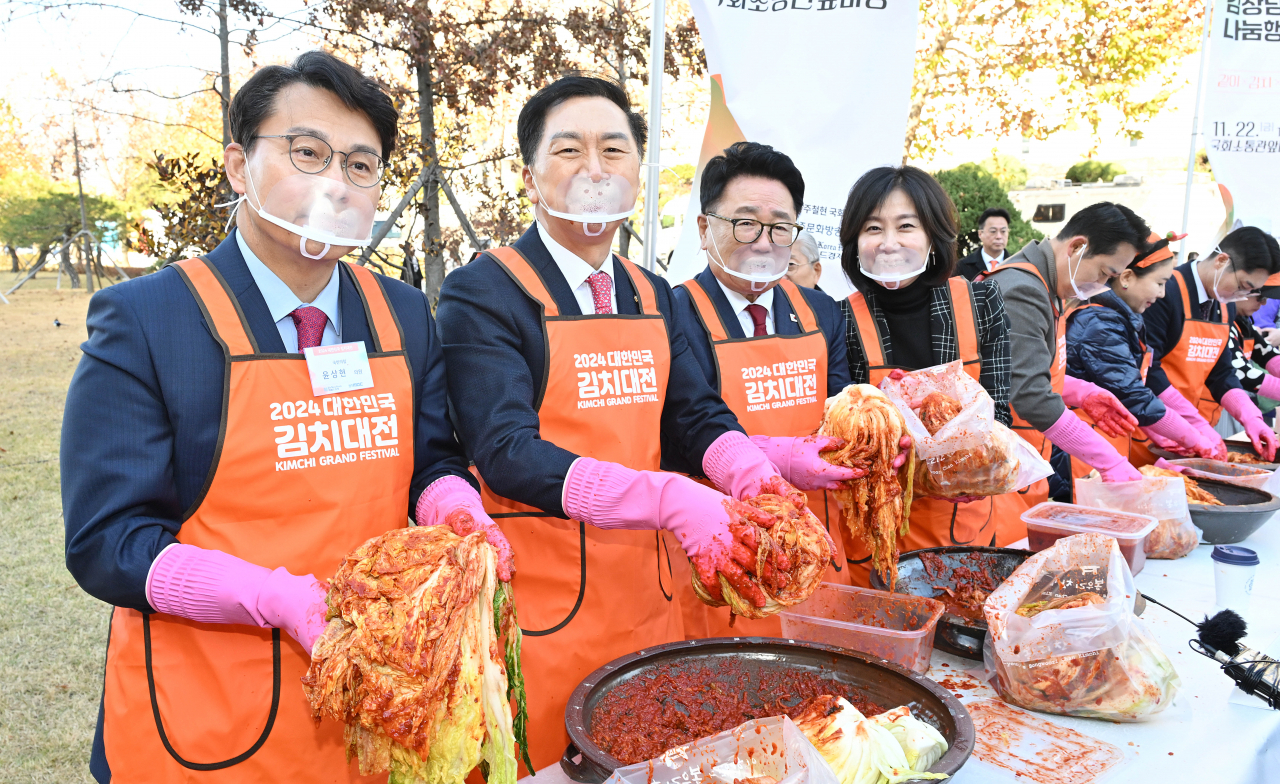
310, 323
601, 287
757, 314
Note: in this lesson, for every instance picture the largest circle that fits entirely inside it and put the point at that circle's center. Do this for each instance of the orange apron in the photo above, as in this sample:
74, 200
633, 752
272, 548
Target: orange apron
1010, 506
771, 384
195, 702
587, 596
1189, 363
1133, 447
934, 523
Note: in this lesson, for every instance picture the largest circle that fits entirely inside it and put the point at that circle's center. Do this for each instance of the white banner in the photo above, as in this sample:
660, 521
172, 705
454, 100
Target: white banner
828, 82
1241, 119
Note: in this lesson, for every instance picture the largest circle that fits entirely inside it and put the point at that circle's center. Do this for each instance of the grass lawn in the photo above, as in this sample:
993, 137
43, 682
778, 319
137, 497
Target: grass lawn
52, 634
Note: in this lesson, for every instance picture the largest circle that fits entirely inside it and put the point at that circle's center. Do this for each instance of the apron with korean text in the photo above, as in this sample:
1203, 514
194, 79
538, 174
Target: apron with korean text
771, 384
934, 522
586, 596
297, 481
1189, 363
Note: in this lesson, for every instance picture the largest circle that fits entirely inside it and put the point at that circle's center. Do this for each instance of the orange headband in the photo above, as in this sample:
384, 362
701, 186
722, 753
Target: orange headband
1157, 251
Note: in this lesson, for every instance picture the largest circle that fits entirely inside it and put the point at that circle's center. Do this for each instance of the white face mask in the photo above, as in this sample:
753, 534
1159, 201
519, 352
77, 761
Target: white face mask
891, 268
1239, 296
749, 263
330, 212
591, 202
1084, 290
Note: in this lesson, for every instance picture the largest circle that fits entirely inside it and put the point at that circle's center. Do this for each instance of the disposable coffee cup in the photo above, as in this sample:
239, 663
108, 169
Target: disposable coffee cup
1233, 571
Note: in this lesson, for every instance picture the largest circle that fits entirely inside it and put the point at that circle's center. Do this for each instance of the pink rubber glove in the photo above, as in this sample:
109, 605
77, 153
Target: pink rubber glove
611, 496
1166, 465
452, 501
1104, 408
737, 467
1270, 386
210, 586
798, 461
1238, 404
1172, 398
1273, 365
1078, 439
1187, 440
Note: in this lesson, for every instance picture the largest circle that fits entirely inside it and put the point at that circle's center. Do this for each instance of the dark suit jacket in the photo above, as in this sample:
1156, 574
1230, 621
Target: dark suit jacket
493, 344
830, 321
972, 266
1164, 321
145, 405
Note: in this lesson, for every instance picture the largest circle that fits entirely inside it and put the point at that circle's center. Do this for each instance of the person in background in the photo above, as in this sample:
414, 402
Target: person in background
1192, 256
993, 236
1106, 348
739, 319
216, 491
1268, 310
805, 267
910, 312
1255, 361
1190, 327
1041, 285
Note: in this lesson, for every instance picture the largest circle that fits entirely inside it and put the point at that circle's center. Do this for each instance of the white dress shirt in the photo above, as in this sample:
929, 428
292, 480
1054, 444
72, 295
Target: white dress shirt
992, 261
281, 301
739, 305
576, 271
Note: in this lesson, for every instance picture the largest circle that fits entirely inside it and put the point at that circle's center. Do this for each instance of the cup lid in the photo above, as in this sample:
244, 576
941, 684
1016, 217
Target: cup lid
1231, 554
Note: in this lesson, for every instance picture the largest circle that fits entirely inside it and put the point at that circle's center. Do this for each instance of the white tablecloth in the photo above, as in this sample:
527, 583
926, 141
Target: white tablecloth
1204, 737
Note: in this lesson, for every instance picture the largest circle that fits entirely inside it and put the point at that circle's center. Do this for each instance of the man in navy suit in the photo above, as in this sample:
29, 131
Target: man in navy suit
206, 485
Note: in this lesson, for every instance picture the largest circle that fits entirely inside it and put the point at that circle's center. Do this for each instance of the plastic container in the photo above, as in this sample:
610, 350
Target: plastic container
895, 627
1050, 521
1233, 571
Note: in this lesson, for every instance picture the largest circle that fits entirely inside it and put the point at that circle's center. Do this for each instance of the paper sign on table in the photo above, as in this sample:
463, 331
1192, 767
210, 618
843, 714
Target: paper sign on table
339, 368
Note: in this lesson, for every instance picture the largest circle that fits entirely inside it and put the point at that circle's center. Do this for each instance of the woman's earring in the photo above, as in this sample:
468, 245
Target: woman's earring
1126, 285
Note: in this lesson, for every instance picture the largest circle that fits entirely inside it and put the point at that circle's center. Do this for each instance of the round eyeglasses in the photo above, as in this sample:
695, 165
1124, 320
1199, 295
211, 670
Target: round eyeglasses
748, 230
312, 155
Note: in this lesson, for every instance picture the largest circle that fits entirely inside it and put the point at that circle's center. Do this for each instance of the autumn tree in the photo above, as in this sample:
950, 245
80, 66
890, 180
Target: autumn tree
1032, 67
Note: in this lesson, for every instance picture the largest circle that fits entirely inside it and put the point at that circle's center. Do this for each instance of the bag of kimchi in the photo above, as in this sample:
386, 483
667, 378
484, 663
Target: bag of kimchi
962, 449
1063, 637
1164, 498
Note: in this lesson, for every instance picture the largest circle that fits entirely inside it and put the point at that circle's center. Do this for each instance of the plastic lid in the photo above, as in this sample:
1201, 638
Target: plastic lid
1070, 518
1237, 556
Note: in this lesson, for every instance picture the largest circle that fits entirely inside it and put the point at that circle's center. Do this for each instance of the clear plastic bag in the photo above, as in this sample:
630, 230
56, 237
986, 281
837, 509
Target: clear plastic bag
772, 747
1235, 473
972, 454
1063, 637
1163, 498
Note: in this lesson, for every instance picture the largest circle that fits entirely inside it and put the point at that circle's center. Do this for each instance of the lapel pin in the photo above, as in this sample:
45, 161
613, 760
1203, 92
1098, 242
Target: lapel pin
794, 319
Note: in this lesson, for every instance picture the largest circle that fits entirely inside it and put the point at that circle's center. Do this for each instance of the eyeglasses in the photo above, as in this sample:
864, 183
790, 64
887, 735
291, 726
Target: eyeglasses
311, 155
748, 230
996, 232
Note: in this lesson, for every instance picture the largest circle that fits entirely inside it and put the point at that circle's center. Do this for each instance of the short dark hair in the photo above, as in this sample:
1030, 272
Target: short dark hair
1105, 225
533, 117
933, 205
256, 98
749, 159
994, 212
1252, 248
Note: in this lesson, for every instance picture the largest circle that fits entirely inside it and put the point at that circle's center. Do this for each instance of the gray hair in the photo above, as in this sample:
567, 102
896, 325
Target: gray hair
808, 246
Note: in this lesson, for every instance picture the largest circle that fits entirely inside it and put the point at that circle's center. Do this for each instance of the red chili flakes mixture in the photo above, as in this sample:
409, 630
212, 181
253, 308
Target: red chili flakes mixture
968, 587
670, 706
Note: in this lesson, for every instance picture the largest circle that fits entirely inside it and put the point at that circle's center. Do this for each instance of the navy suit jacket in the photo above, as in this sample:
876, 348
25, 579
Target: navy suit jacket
825, 309
145, 405
1164, 321
493, 344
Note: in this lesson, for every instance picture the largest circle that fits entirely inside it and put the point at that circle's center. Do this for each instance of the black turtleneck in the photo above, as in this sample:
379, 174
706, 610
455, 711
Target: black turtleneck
910, 324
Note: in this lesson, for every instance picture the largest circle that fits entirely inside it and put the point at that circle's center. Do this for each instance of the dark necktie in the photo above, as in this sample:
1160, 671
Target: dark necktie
757, 314
310, 323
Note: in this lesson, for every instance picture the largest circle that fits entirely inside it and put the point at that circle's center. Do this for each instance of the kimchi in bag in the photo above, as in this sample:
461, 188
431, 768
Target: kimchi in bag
1164, 498
1063, 637
962, 449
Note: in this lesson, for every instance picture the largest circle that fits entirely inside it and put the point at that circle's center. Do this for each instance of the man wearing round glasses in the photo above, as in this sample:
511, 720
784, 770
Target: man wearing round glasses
1188, 330
213, 476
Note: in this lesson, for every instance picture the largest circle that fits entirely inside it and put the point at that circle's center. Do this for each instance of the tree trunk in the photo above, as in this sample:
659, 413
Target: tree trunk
432, 262
224, 41
13, 254
68, 267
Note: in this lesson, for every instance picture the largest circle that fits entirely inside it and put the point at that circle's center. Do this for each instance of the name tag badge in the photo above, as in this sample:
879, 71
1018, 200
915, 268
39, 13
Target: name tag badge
340, 368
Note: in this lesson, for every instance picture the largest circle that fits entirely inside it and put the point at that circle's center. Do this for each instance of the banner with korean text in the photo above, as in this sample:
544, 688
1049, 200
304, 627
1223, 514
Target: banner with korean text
1241, 121
828, 82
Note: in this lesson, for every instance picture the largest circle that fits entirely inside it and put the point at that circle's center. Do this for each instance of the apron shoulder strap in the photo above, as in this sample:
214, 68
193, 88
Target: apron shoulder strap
868, 333
526, 277
644, 287
707, 312
221, 310
387, 333
1027, 266
1186, 295
966, 322
803, 311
